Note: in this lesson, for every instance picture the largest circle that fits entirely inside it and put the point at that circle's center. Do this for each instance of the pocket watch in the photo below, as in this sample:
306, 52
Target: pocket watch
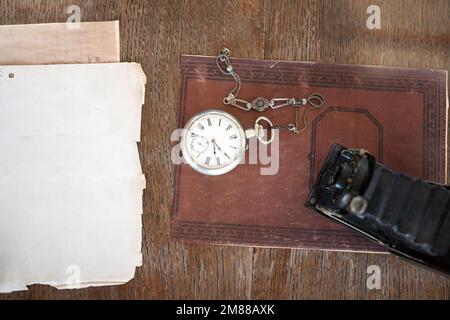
214, 142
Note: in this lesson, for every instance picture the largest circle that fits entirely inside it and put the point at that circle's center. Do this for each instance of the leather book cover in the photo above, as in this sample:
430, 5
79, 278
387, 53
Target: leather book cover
397, 114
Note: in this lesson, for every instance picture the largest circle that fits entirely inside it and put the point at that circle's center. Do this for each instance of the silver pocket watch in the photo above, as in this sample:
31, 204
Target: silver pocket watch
214, 142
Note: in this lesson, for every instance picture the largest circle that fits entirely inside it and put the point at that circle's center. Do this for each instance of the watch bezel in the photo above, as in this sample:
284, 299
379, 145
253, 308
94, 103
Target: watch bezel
211, 171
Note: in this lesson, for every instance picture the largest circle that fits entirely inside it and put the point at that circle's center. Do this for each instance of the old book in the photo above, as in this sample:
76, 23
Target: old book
397, 114
53, 43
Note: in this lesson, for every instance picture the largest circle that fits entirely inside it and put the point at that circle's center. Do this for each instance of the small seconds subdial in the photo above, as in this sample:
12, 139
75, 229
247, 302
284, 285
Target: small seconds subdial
214, 142
199, 144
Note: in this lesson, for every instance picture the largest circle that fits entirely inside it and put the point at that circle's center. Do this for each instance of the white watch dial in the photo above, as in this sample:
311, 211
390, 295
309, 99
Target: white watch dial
213, 142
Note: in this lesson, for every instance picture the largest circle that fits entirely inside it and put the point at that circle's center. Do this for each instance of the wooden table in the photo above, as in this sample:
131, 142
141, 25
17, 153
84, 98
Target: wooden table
154, 33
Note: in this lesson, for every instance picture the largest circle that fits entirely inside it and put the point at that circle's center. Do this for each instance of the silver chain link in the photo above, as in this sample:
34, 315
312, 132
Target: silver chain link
314, 101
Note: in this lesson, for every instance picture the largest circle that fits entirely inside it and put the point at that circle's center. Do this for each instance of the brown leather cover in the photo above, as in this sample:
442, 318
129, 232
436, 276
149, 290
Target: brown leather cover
397, 114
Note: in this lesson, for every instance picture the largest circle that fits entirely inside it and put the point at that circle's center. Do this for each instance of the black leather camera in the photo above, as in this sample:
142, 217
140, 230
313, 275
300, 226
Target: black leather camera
408, 215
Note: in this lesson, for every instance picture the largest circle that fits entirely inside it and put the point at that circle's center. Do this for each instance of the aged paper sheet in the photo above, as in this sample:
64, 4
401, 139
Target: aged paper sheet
85, 42
70, 177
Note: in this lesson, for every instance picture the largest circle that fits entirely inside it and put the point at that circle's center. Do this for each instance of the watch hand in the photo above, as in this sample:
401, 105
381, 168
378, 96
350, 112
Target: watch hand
216, 145
224, 153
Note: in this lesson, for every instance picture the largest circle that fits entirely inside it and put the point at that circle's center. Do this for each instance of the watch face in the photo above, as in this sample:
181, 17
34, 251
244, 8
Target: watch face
213, 142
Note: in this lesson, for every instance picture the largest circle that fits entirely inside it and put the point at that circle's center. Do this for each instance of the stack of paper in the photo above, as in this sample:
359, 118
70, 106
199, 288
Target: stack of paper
70, 176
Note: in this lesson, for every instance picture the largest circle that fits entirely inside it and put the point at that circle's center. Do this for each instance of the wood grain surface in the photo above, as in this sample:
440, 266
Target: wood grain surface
414, 33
